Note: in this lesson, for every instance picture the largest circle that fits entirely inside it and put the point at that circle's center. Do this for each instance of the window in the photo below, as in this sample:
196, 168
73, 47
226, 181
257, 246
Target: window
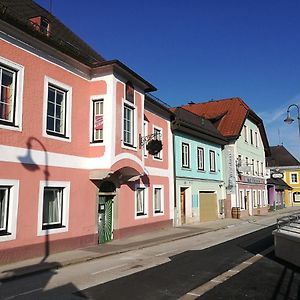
253, 167
254, 199
53, 207
7, 95
185, 155
9, 191
157, 136
200, 158
44, 27
242, 200
247, 164
158, 200
129, 92
257, 168
212, 161
56, 111
256, 139
259, 199
245, 134
140, 202
98, 120
4, 204
262, 169
296, 196
145, 133
294, 177
128, 125
251, 136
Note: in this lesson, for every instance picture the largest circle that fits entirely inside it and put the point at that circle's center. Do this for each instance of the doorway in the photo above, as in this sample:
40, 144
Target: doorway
182, 205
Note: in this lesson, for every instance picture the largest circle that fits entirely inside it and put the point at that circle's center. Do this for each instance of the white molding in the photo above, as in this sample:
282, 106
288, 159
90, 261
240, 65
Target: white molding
12, 209
146, 201
65, 215
162, 204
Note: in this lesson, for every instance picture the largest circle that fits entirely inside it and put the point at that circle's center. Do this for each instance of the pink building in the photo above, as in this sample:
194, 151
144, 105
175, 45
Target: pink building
76, 133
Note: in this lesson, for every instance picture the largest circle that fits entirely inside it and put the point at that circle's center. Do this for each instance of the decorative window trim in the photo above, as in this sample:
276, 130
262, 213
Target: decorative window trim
185, 165
212, 167
65, 185
162, 211
12, 214
159, 156
145, 213
134, 126
68, 89
92, 121
291, 178
203, 158
18, 104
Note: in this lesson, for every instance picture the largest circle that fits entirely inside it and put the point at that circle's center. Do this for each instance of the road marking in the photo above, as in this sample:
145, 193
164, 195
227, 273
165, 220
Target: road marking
167, 252
22, 294
109, 269
202, 289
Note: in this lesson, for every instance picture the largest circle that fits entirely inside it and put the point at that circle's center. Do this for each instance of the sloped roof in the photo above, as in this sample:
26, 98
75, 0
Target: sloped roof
279, 183
281, 157
18, 13
228, 115
190, 123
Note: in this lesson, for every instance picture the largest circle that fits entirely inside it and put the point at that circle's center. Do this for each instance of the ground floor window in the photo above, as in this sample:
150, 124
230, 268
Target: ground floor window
296, 196
242, 199
4, 205
254, 199
158, 200
9, 191
53, 207
141, 201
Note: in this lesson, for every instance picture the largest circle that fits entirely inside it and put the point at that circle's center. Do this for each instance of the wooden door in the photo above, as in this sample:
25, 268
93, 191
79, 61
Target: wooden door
208, 207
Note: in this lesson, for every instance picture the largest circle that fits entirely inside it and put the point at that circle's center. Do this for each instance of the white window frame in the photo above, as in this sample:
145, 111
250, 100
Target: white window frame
245, 134
185, 156
254, 198
65, 210
259, 199
68, 93
92, 122
12, 214
212, 158
251, 137
202, 158
132, 145
291, 178
145, 133
242, 199
162, 211
159, 155
18, 94
137, 215
256, 139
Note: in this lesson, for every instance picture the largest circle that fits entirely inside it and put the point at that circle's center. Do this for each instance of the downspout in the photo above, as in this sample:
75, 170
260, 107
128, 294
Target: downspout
174, 176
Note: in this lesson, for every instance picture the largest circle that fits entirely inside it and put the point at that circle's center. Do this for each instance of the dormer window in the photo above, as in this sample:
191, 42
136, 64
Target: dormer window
44, 26
129, 92
41, 24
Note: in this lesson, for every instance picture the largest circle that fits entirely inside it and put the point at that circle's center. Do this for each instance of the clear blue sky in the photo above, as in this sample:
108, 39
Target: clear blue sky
197, 50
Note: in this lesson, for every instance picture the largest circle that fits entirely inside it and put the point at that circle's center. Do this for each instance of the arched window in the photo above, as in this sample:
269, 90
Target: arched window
129, 92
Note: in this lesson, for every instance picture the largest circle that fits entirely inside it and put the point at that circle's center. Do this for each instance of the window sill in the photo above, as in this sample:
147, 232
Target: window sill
9, 126
4, 233
186, 168
53, 226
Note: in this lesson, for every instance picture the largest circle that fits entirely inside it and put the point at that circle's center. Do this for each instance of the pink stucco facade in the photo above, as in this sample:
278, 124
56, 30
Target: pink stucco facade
32, 160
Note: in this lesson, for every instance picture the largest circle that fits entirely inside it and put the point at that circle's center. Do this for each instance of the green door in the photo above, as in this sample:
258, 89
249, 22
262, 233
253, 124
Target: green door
105, 218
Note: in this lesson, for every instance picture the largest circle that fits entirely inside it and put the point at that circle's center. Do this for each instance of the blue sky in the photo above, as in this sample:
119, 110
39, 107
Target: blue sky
198, 50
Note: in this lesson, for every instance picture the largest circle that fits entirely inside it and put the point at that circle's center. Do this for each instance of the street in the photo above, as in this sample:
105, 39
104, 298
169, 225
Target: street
171, 270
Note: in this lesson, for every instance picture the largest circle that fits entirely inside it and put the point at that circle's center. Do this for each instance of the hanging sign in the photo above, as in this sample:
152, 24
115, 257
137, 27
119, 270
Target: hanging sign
98, 122
154, 147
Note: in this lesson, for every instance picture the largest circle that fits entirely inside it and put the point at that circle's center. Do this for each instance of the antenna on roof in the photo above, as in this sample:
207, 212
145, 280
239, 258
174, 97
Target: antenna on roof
50, 4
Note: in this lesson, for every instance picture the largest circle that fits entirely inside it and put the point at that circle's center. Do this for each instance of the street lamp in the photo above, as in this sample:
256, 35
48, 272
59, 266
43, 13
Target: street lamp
289, 119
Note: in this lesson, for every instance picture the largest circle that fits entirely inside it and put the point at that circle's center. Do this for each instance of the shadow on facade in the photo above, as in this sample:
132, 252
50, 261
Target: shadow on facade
29, 164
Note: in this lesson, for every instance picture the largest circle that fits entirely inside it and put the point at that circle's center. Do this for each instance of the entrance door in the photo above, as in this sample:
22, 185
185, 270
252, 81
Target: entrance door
208, 207
182, 205
105, 218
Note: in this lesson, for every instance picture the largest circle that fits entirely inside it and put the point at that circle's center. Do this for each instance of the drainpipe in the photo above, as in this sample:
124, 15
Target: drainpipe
174, 176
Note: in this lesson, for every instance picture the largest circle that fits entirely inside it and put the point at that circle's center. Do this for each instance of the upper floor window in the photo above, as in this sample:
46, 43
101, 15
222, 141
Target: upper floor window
56, 111
245, 134
129, 92
256, 139
145, 133
7, 95
157, 136
253, 167
212, 161
294, 177
97, 120
262, 169
200, 158
251, 136
128, 125
185, 155
44, 27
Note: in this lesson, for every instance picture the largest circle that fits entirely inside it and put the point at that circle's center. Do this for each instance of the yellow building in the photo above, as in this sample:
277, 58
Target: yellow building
283, 162
292, 178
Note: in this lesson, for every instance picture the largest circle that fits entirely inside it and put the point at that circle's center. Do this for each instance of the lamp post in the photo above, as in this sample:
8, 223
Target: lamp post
289, 119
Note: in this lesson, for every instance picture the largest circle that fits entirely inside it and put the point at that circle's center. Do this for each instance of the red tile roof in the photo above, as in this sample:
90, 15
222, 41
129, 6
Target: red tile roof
228, 115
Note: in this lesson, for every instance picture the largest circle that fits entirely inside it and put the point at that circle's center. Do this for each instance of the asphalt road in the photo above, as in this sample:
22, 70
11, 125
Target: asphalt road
268, 278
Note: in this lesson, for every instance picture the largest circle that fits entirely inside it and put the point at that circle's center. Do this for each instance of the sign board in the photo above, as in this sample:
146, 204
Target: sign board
277, 175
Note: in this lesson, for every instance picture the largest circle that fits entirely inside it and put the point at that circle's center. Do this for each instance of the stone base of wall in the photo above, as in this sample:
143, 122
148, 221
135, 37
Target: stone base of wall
44, 249
135, 230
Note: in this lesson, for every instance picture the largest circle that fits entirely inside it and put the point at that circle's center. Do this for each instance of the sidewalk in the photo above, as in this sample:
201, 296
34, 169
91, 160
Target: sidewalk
59, 260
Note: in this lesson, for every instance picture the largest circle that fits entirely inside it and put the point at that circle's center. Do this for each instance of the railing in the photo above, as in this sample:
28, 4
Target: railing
290, 223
